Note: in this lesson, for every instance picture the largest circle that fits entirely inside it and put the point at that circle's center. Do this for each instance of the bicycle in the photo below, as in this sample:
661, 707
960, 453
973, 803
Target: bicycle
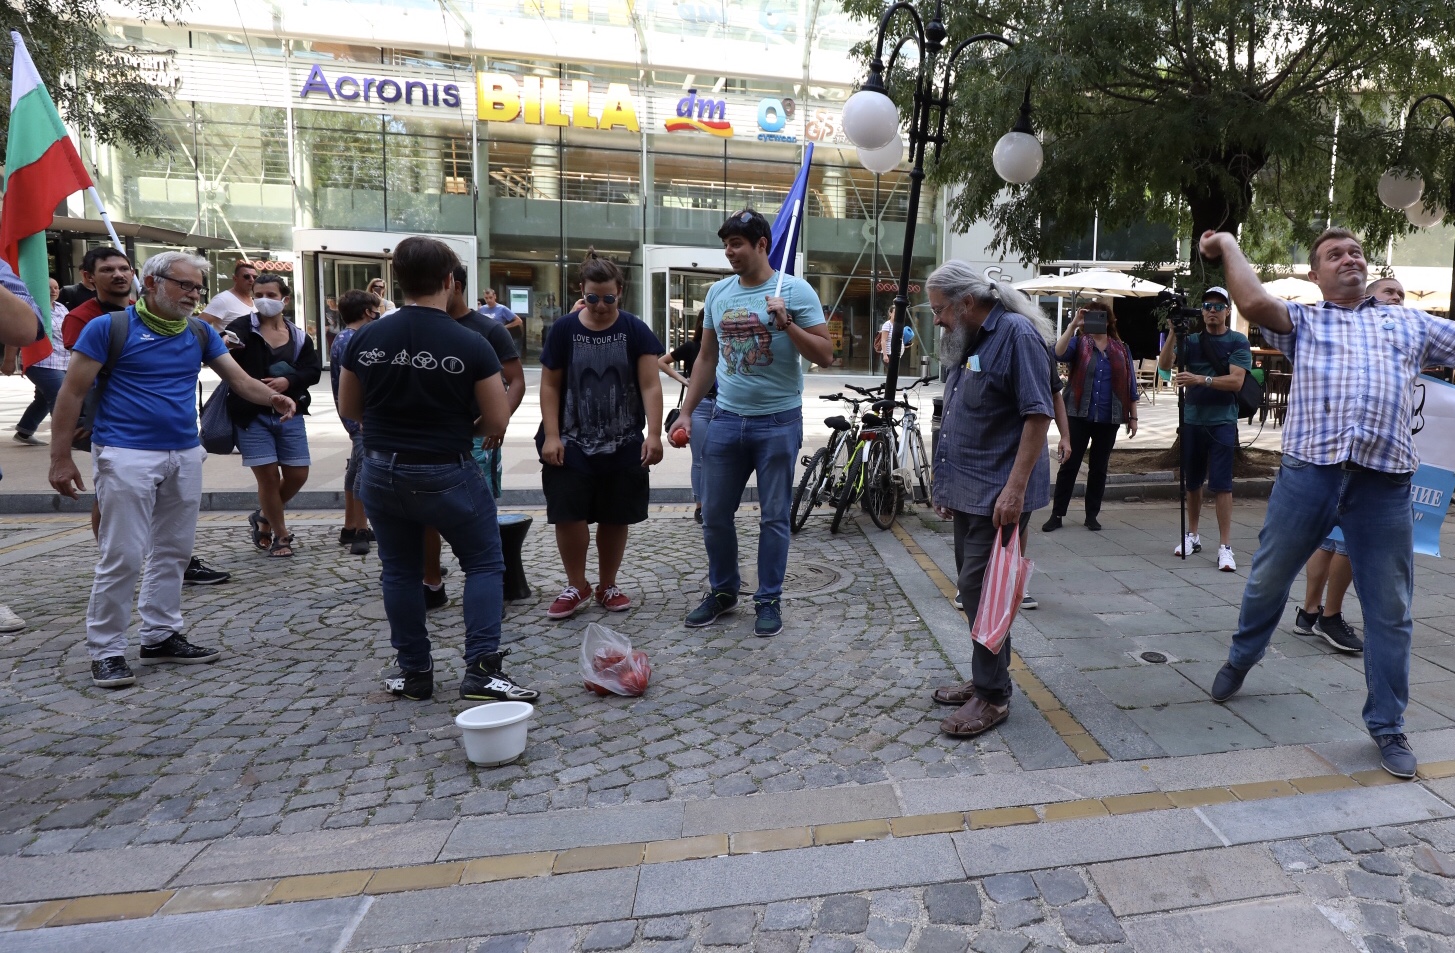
895, 464
820, 468
870, 455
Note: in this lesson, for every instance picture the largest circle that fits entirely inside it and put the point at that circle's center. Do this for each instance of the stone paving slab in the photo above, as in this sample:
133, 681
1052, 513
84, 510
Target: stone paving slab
506, 907
138, 868
761, 812
1038, 846
1245, 928
1197, 879
492, 836
284, 855
1258, 821
319, 926
784, 875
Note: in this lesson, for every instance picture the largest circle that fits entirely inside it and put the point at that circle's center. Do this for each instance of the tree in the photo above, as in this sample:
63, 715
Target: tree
102, 91
1216, 114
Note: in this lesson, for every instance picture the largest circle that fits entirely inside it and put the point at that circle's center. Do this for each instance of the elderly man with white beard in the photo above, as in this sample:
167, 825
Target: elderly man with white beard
147, 459
991, 467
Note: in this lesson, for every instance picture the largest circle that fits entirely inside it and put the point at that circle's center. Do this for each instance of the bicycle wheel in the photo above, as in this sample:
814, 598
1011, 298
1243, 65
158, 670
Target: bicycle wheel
805, 497
924, 474
846, 491
881, 493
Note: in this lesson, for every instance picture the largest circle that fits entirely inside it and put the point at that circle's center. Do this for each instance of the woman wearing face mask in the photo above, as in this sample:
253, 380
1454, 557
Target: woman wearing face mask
1101, 395
278, 353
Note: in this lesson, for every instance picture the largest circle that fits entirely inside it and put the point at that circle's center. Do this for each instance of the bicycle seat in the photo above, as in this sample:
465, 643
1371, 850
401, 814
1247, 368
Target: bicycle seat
873, 420
837, 423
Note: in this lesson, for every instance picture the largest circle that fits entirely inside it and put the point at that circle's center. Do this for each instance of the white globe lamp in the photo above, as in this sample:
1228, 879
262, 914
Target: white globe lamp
871, 119
1401, 188
1421, 215
1018, 157
885, 160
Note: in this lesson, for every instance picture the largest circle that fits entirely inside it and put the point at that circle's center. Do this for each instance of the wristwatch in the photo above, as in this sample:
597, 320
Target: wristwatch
1207, 380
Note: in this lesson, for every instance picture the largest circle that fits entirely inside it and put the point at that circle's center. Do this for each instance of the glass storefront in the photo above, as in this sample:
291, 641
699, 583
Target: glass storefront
573, 157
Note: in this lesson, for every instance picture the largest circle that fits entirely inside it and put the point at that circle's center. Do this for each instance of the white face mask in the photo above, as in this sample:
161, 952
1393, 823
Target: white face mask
268, 307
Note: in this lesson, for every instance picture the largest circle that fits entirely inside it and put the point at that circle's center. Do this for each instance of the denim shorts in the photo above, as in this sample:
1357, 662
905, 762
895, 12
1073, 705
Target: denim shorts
356, 460
270, 440
1335, 546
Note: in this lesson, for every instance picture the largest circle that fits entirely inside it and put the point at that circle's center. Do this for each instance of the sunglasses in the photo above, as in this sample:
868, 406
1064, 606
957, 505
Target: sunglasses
600, 299
1214, 306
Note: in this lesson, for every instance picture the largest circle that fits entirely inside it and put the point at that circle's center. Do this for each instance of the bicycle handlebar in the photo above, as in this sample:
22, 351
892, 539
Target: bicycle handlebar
866, 391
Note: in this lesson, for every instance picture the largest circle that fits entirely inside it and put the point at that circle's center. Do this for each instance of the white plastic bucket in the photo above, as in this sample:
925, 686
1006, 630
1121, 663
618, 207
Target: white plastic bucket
495, 732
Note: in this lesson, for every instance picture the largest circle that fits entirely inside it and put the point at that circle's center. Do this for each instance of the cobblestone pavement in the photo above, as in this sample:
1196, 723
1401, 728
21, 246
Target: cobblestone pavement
292, 732
1386, 890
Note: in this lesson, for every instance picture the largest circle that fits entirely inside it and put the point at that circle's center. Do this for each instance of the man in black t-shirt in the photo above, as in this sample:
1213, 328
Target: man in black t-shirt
416, 365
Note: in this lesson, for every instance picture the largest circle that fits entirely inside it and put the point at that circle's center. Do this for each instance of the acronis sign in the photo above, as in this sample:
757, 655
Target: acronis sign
375, 89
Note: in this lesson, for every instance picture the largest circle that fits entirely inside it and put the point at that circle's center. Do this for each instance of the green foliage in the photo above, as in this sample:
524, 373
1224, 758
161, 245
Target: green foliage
1215, 114
105, 92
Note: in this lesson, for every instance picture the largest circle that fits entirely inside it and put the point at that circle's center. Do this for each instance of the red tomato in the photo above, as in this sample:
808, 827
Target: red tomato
597, 688
605, 659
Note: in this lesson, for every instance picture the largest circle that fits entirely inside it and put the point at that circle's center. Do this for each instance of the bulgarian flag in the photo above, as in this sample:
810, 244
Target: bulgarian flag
42, 167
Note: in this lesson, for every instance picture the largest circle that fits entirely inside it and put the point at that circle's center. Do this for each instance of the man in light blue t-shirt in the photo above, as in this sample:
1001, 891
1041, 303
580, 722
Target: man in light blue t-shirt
758, 335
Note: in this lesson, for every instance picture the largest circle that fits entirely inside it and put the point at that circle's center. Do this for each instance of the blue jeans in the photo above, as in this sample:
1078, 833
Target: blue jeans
735, 448
401, 500
1374, 511
47, 381
701, 414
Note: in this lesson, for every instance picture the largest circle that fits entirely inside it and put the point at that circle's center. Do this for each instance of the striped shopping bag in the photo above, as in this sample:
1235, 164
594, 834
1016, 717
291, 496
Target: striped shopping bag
1002, 590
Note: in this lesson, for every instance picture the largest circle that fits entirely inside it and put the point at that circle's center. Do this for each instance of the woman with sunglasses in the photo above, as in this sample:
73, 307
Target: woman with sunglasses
599, 390
376, 287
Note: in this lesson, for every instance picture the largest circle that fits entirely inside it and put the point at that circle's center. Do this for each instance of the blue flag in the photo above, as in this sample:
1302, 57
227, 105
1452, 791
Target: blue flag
783, 249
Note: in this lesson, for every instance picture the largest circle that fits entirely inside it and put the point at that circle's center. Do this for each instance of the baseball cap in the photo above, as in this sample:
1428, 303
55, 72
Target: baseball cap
1218, 290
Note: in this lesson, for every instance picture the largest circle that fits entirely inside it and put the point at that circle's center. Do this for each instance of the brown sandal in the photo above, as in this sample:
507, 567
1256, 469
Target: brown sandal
282, 547
976, 717
954, 694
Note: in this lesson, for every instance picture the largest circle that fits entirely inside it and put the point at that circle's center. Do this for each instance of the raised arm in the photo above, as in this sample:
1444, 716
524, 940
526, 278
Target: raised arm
1253, 301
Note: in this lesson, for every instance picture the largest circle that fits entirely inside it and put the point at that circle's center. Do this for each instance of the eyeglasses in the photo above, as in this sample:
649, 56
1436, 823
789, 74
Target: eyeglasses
188, 287
1214, 306
941, 309
600, 299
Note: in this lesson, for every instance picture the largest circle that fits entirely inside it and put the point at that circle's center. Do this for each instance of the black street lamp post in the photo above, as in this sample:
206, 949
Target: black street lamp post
871, 121
1403, 189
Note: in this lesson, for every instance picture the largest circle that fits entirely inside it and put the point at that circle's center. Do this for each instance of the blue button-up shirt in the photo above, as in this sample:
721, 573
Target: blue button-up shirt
1005, 378
1353, 381
15, 286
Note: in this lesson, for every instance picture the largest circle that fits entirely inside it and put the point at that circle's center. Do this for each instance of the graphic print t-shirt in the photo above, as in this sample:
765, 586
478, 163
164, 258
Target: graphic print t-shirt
418, 369
602, 415
758, 368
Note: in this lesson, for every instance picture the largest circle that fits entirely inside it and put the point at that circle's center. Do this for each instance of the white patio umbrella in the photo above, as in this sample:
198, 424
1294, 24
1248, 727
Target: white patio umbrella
1294, 289
1427, 299
1097, 281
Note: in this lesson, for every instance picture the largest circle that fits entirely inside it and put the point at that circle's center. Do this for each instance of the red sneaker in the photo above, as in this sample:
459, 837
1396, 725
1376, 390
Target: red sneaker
612, 599
568, 603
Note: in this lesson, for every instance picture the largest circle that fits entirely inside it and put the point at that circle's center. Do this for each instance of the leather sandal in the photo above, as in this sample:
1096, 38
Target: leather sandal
976, 717
954, 694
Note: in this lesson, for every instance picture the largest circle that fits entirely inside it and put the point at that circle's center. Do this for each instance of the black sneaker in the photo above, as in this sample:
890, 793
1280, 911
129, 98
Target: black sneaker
1396, 756
1227, 683
714, 605
485, 681
435, 598
346, 536
1093, 524
360, 545
111, 672
1338, 633
179, 650
414, 686
770, 620
1303, 622
200, 574
1051, 525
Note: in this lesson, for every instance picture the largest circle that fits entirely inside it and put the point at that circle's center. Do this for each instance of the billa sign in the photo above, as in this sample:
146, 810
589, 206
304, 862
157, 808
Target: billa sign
538, 101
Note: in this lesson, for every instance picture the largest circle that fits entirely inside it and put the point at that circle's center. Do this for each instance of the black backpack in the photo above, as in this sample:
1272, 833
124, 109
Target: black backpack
117, 343
1250, 395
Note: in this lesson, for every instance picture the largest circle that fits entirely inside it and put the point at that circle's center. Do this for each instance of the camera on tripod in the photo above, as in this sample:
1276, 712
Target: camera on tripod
1172, 305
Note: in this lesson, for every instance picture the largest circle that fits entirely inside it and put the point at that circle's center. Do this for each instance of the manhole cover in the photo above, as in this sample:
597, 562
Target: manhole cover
802, 579
1154, 657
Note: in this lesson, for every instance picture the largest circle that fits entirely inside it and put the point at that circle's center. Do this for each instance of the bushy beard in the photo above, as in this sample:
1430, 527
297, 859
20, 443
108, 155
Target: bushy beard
954, 345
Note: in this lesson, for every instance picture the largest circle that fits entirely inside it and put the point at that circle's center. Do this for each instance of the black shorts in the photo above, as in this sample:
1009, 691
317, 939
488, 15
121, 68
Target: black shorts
1207, 454
616, 497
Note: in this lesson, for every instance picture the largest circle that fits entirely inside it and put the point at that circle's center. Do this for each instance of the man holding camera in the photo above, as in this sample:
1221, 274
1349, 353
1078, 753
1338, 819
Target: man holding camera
1348, 457
1215, 362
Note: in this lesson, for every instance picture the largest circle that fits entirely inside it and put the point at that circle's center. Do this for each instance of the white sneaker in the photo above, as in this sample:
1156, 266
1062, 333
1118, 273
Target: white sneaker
9, 621
1028, 601
959, 604
1225, 559
1191, 542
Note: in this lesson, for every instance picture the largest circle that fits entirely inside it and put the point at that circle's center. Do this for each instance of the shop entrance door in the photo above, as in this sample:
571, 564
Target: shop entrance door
338, 274
678, 297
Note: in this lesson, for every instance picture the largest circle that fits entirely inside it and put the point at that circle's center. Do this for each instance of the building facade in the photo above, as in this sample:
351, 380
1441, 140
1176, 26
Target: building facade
524, 132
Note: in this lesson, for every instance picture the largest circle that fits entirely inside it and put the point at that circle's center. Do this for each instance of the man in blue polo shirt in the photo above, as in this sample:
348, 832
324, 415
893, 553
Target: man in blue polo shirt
147, 461
758, 337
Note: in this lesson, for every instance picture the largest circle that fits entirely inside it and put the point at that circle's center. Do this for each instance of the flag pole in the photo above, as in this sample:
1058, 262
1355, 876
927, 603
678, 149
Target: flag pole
111, 230
792, 245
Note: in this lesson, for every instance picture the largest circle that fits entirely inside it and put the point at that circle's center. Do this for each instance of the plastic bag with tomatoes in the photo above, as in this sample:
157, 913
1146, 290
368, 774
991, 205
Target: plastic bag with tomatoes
609, 664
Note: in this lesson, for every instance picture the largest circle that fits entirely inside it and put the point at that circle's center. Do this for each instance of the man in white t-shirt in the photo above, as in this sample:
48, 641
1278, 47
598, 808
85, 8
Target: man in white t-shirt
227, 306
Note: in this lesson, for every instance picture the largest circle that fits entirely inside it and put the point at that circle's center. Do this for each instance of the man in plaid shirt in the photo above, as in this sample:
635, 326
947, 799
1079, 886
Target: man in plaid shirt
1348, 456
